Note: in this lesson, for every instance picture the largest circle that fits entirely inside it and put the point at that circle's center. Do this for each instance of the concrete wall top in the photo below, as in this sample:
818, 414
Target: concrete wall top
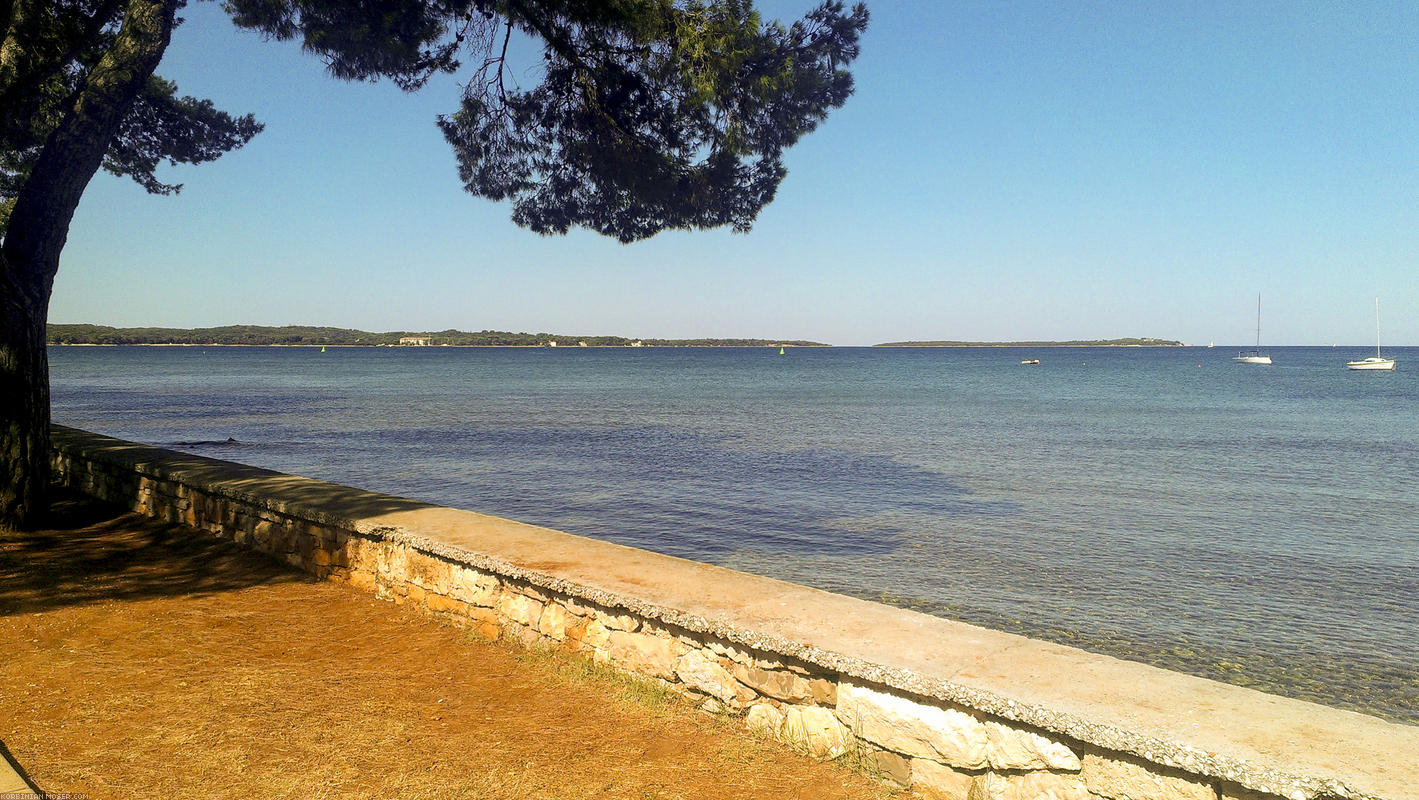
1259, 741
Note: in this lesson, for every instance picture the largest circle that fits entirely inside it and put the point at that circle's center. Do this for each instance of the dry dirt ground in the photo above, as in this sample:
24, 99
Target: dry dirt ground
139, 659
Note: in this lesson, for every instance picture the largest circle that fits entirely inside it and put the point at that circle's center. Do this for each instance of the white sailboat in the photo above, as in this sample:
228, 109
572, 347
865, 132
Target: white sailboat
1255, 356
1375, 361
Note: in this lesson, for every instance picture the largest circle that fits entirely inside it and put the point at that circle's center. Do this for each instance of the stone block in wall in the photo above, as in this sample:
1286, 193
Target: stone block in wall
528, 590
579, 607
1027, 786
485, 620
764, 719
285, 539
555, 621
709, 705
596, 638
262, 532
1126, 779
702, 671
574, 635
691, 640
939, 782
809, 729
339, 552
619, 622
474, 587
392, 560
442, 575
362, 554
208, 509
519, 608
787, 686
644, 653
426, 571
523, 635
443, 604
1013, 748
815, 730
949, 736
891, 766
729, 651
274, 534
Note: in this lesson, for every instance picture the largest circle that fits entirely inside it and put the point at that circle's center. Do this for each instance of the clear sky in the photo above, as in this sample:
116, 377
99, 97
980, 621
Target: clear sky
1005, 171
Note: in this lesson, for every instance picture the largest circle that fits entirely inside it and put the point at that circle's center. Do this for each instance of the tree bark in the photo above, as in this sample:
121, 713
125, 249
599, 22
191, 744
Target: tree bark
35, 235
24, 404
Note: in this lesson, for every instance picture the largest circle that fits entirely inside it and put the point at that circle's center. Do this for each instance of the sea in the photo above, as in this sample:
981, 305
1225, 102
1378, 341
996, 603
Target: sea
1256, 525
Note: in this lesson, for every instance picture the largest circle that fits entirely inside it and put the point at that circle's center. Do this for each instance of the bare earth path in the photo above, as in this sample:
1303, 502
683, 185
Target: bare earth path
147, 660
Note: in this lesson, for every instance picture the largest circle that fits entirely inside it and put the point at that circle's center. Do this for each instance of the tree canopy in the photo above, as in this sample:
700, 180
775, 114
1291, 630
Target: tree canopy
649, 114
45, 64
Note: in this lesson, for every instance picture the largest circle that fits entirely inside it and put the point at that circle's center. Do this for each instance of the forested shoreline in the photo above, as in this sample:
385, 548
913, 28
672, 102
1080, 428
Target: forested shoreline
84, 334
1145, 342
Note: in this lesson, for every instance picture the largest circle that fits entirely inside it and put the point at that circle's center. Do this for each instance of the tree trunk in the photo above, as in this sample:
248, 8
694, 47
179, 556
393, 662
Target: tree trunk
34, 237
24, 403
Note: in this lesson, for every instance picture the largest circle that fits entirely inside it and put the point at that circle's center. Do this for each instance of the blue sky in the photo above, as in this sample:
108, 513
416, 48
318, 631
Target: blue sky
1005, 171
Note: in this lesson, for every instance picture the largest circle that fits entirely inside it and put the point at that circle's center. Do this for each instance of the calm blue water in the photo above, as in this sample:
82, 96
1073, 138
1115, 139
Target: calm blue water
1256, 525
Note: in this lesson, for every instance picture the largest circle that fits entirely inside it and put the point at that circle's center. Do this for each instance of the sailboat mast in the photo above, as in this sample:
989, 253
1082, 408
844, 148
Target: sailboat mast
1377, 327
1258, 322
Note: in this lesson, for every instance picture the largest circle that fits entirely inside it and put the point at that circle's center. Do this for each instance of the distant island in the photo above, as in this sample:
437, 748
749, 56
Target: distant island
304, 335
1079, 343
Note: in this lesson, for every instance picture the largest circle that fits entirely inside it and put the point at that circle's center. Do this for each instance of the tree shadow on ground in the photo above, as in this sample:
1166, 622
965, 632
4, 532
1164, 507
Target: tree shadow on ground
92, 552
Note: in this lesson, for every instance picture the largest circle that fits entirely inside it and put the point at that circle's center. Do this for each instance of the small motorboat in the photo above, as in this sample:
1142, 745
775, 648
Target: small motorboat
1030, 361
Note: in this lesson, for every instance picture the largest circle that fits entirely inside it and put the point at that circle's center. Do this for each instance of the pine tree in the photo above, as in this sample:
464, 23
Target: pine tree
650, 114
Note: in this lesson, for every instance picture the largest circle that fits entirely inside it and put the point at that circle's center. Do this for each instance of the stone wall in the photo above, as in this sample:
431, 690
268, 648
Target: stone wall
950, 710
